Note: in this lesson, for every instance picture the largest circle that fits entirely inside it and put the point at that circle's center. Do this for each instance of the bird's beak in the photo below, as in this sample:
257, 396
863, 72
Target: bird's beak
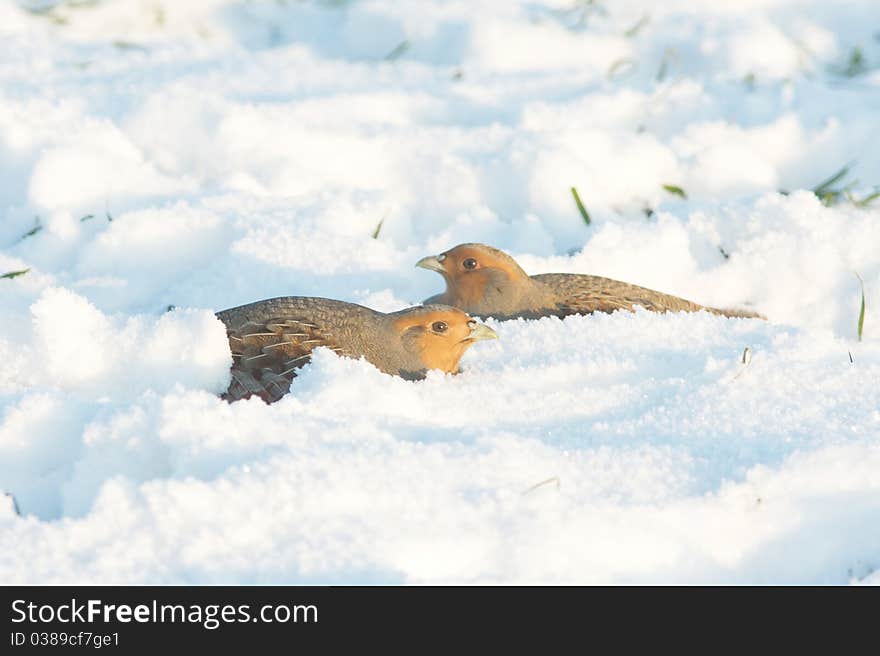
482, 331
432, 263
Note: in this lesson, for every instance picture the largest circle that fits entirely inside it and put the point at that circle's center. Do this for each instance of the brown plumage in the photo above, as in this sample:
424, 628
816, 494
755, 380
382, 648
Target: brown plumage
486, 282
271, 339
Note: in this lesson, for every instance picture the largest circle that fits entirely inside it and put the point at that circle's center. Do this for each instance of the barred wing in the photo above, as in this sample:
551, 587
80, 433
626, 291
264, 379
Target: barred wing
582, 294
267, 354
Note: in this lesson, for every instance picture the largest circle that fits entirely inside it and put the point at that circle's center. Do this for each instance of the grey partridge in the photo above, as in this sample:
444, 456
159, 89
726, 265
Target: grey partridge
486, 282
270, 340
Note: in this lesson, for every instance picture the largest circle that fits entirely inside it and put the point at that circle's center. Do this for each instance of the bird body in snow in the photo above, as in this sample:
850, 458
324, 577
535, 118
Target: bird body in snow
486, 282
273, 338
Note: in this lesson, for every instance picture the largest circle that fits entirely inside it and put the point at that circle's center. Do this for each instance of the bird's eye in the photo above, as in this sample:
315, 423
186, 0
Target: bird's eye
439, 326
469, 263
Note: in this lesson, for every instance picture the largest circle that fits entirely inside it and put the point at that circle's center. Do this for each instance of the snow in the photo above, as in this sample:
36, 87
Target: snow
178, 158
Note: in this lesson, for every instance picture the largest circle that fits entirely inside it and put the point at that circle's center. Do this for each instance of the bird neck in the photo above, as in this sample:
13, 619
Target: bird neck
493, 285
444, 357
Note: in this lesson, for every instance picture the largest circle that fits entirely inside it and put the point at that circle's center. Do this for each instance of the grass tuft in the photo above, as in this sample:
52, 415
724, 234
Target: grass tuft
583, 210
830, 192
824, 186
829, 195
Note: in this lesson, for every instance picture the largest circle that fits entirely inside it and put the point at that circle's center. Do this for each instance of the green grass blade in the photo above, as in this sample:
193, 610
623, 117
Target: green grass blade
30, 233
855, 65
580, 206
867, 200
14, 274
825, 186
378, 228
398, 50
675, 190
635, 29
670, 55
862, 310
620, 66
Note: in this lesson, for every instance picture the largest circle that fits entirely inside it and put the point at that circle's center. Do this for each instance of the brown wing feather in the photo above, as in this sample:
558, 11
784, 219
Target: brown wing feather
583, 294
267, 354
271, 339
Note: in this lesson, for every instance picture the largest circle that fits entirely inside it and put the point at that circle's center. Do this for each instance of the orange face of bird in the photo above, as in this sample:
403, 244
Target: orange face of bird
440, 335
469, 268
